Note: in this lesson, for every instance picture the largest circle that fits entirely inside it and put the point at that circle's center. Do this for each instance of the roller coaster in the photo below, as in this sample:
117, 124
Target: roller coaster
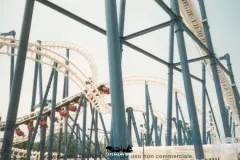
181, 136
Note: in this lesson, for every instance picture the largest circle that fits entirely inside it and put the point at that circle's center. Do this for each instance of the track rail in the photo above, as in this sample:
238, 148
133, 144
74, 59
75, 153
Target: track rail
48, 57
194, 23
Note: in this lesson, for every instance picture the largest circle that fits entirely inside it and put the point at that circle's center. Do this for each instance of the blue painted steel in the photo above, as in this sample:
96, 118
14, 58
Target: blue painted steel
129, 124
17, 82
214, 70
184, 134
53, 110
91, 130
156, 132
121, 22
175, 139
187, 84
34, 91
234, 129
230, 121
96, 148
115, 71
184, 122
73, 127
213, 115
147, 116
204, 133
104, 128
177, 122
160, 134
170, 87
130, 109
40, 113
13, 33
66, 85
84, 127
234, 86
77, 143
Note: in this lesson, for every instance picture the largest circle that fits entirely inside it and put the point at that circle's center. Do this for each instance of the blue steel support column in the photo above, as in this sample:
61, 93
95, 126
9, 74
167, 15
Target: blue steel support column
66, 95
147, 116
170, 87
34, 91
77, 142
40, 113
129, 124
104, 128
121, 22
204, 141
130, 110
13, 33
214, 70
53, 110
42, 129
234, 86
177, 122
184, 122
116, 84
187, 84
160, 134
230, 121
96, 135
84, 127
213, 115
73, 127
17, 82
91, 129
234, 131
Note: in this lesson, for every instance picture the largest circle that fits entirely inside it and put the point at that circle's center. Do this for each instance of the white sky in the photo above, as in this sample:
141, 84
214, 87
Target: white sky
48, 25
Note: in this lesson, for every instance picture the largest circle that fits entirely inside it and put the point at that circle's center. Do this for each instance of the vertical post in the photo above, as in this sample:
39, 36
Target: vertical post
17, 82
73, 127
234, 87
34, 91
210, 106
39, 116
121, 22
66, 95
177, 122
42, 129
230, 121
92, 123
84, 127
234, 130
116, 84
76, 143
160, 134
204, 141
170, 87
129, 124
96, 135
53, 110
187, 83
156, 133
214, 70
147, 116
130, 110
13, 33
104, 128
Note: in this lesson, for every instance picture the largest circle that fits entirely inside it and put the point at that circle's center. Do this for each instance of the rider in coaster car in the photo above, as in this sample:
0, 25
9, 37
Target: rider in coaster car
19, 132
63, 112
103, 89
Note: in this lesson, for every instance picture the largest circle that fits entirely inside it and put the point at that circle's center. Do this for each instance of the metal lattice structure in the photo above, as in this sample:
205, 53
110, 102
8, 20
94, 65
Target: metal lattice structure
187, 135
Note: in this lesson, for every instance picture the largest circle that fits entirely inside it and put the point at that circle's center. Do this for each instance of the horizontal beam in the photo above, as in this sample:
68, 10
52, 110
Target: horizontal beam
100, 30
72, 16
148, 30
193, 60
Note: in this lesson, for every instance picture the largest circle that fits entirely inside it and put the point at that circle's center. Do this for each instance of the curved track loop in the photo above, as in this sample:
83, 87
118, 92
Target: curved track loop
46, 110
160, 82
76, 48
48, 57
195, 24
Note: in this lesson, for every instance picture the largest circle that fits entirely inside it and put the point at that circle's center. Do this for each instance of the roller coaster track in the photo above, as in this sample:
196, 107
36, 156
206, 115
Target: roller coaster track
194, 23
48, 57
